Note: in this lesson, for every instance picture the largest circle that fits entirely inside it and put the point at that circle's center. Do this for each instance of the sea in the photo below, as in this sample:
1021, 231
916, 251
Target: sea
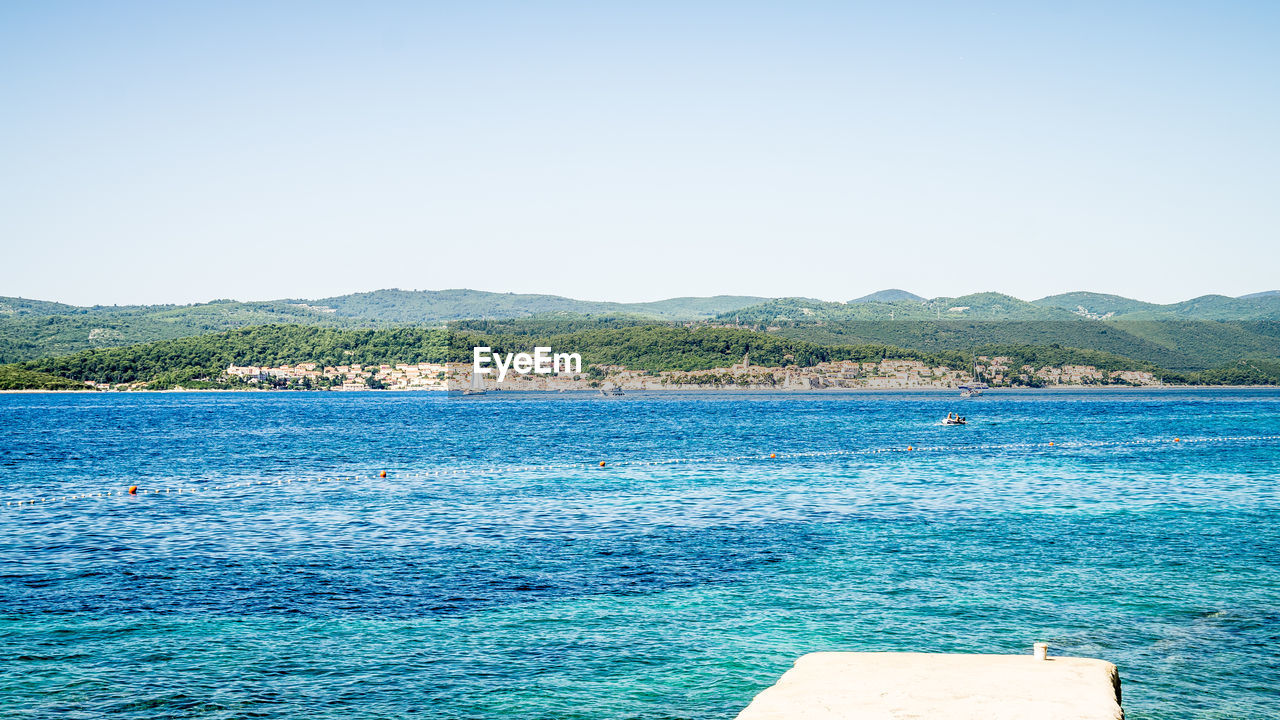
658, 555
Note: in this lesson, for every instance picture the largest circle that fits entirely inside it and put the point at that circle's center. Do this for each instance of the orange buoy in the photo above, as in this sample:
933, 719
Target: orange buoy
133, 489
1051, 442
910, 448
1177, 440
601, 463
773, 455
382, 474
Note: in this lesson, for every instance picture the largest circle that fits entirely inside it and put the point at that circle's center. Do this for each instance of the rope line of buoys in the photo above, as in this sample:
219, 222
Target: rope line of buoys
136, 490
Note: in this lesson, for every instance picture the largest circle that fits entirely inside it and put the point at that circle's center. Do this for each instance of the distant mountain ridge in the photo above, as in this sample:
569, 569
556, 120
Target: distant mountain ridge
998, 306
35, 328
1256, 306
417, 306
31, 329
890, 295
1196, 334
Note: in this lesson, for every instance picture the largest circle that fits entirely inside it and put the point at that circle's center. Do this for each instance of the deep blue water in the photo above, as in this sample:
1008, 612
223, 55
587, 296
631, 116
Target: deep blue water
636, 591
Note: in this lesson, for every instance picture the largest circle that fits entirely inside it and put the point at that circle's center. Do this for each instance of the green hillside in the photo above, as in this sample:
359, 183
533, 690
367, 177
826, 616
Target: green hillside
962, 336
13, 377
30, 336
32, 329
1081, 306
1244, 372
1205, 344
1259, 306
549, 324
890, 295
1185, 346
979, 306
435, 306
668, 347
1097, 304
1214, 307
690, 308
1196, 334
1171, 336
198, 361
993, 306
15, 306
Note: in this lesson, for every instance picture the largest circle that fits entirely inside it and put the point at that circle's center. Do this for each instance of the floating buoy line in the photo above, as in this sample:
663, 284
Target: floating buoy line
136, 490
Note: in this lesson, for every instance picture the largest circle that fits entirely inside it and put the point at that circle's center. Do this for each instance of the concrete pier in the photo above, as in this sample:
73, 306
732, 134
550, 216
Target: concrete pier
925, 686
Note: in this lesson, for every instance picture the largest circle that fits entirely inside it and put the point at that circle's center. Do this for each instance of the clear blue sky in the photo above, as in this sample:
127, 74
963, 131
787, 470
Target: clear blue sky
178, 152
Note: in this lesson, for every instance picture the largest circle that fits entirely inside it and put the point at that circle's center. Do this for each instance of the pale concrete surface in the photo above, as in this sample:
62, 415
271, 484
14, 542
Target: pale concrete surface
907, 686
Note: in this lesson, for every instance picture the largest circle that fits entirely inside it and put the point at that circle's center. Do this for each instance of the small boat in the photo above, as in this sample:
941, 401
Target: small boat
614, 391
476, 387
975, 388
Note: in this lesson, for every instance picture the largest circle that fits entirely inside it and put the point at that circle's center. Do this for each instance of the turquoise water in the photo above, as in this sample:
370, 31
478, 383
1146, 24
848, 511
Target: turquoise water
630, 591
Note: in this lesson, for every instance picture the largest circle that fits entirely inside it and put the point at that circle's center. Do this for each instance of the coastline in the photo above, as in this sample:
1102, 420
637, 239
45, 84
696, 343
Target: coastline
667, 390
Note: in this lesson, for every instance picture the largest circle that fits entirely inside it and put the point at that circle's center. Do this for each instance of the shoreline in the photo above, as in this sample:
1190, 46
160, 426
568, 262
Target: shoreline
660, 390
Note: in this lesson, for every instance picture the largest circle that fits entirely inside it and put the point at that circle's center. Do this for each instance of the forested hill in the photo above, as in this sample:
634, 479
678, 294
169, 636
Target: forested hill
1195, 334
202, 361
32, 329
666, 347
1184, 346
199, 361
26, 335
1173, 340
987, 306
416, 306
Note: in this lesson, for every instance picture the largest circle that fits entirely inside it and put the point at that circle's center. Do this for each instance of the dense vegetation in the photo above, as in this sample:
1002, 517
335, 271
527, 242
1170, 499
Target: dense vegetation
1179, 345
667, 347
981, 306
31, 329
30, 335
1244, 372
13, 377
1078, 307
618, 341
1209, 331
201, 361
679, 347
418, 306
1198, 334
550, 324
1212, 339
887, 296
